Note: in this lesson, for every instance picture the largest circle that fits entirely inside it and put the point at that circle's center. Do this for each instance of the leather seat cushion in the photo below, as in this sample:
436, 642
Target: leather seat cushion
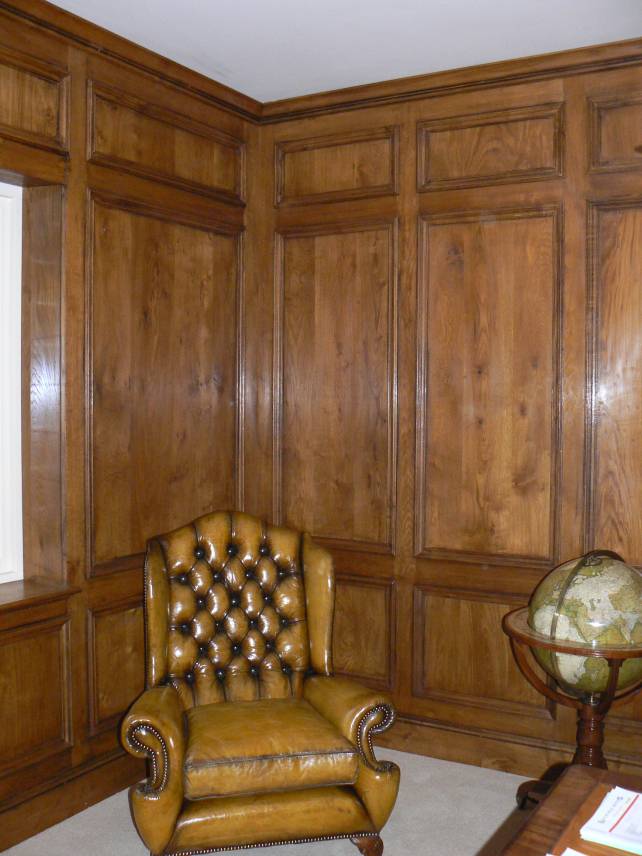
253, 747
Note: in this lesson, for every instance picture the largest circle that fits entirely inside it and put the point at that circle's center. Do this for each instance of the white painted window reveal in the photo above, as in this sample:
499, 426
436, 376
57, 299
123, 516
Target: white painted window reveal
10, 383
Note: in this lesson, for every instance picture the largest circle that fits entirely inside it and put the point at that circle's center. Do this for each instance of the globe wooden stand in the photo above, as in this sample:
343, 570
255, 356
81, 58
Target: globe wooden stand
591, 708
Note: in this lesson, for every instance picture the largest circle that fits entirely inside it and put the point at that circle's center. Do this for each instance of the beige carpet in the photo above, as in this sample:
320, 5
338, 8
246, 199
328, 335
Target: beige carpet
444, 809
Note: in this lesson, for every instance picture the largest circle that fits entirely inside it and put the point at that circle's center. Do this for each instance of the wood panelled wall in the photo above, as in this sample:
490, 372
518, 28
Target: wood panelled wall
135, 175
405, 317
457, 385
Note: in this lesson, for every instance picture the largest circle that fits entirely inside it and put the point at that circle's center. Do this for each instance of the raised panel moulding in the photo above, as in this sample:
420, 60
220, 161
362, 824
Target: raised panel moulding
484, 674
613, 455
501, 147
144, 139
165, 374
335, 344
36, 721
116, 630
615, 139
364, 633
487, 459
34, 104
337, 167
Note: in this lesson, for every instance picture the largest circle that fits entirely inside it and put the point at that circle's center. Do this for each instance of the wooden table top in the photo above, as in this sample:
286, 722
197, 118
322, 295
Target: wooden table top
554, 815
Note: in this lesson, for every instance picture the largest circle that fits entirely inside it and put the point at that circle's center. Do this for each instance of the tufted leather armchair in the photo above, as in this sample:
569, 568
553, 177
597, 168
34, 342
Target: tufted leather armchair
251, 740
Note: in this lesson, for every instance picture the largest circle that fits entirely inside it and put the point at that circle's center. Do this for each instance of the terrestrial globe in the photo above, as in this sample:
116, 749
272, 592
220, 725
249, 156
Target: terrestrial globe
595, 600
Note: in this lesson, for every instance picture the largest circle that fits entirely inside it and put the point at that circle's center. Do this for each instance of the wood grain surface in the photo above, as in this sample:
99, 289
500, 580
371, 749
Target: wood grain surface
304, 309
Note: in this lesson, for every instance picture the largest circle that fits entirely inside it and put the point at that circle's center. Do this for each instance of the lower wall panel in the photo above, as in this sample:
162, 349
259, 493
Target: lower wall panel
115, 631
34, 693
364, 630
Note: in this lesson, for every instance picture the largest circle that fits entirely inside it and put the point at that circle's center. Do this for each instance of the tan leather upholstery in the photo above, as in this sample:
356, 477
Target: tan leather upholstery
275, 817
254, 747
251, 739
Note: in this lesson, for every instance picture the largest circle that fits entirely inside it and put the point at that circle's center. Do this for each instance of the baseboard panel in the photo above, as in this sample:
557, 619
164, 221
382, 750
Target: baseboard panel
509, 753
85, 788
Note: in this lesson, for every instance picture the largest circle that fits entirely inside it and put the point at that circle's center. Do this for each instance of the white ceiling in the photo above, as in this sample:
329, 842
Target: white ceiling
272, 49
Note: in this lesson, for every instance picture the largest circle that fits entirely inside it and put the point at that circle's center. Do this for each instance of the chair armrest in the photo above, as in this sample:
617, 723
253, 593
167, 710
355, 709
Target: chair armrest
153, 728
356, 711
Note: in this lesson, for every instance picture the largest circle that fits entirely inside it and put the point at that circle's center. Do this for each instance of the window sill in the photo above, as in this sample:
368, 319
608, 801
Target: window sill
27, 593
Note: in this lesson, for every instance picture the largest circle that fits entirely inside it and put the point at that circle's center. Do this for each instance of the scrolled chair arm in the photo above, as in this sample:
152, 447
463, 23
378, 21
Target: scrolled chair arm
154, 729
375, 720
356, 711
359, 713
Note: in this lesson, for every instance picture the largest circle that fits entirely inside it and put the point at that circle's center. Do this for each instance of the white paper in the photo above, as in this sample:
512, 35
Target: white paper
569, 852
617, 822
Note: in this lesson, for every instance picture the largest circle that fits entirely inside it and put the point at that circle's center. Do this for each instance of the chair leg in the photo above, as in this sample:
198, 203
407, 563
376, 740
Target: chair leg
371, 846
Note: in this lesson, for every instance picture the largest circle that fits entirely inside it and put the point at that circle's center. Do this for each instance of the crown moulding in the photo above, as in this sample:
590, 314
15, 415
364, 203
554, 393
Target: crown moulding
92, 37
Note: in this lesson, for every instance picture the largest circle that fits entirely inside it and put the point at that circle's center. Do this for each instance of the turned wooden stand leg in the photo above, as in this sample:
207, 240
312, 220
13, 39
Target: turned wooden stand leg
590, 737
371, 846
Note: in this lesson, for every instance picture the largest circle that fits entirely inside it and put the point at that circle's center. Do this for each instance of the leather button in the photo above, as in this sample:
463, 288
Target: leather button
183, 578
254, 623
232, 550
203, 650
285, 668
217, 577
199, 552
283, 622
236, 649
220, 674
264, 550
282, 574
190, 677
235, 600
185, 629
254, 671
201, 602
269, 646
268, 599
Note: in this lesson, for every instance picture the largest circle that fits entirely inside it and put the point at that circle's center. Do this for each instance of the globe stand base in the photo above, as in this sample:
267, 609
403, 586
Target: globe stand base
588, 752
590, 736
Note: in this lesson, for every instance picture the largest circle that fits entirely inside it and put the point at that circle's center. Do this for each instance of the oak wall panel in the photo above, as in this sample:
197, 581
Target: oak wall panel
504, 146
483, 672
42, 489
488, 429
614, 500
36, 718
154, 142
335, 375
116, 661
33, 106
615, 138
364, 629
337, 167
165, 310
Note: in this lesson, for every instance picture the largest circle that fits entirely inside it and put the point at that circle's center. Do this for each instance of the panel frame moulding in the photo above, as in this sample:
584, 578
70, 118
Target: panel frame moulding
365, 135
51, 73
512, 115
100, 91
554, 211
390, 224
54, 619
389, 587
96, 724
546, 710
597, 106
594, 209
137, 207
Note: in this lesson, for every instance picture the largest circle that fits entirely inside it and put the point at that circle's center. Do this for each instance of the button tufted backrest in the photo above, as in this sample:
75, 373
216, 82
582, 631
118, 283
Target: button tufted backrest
226, 616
